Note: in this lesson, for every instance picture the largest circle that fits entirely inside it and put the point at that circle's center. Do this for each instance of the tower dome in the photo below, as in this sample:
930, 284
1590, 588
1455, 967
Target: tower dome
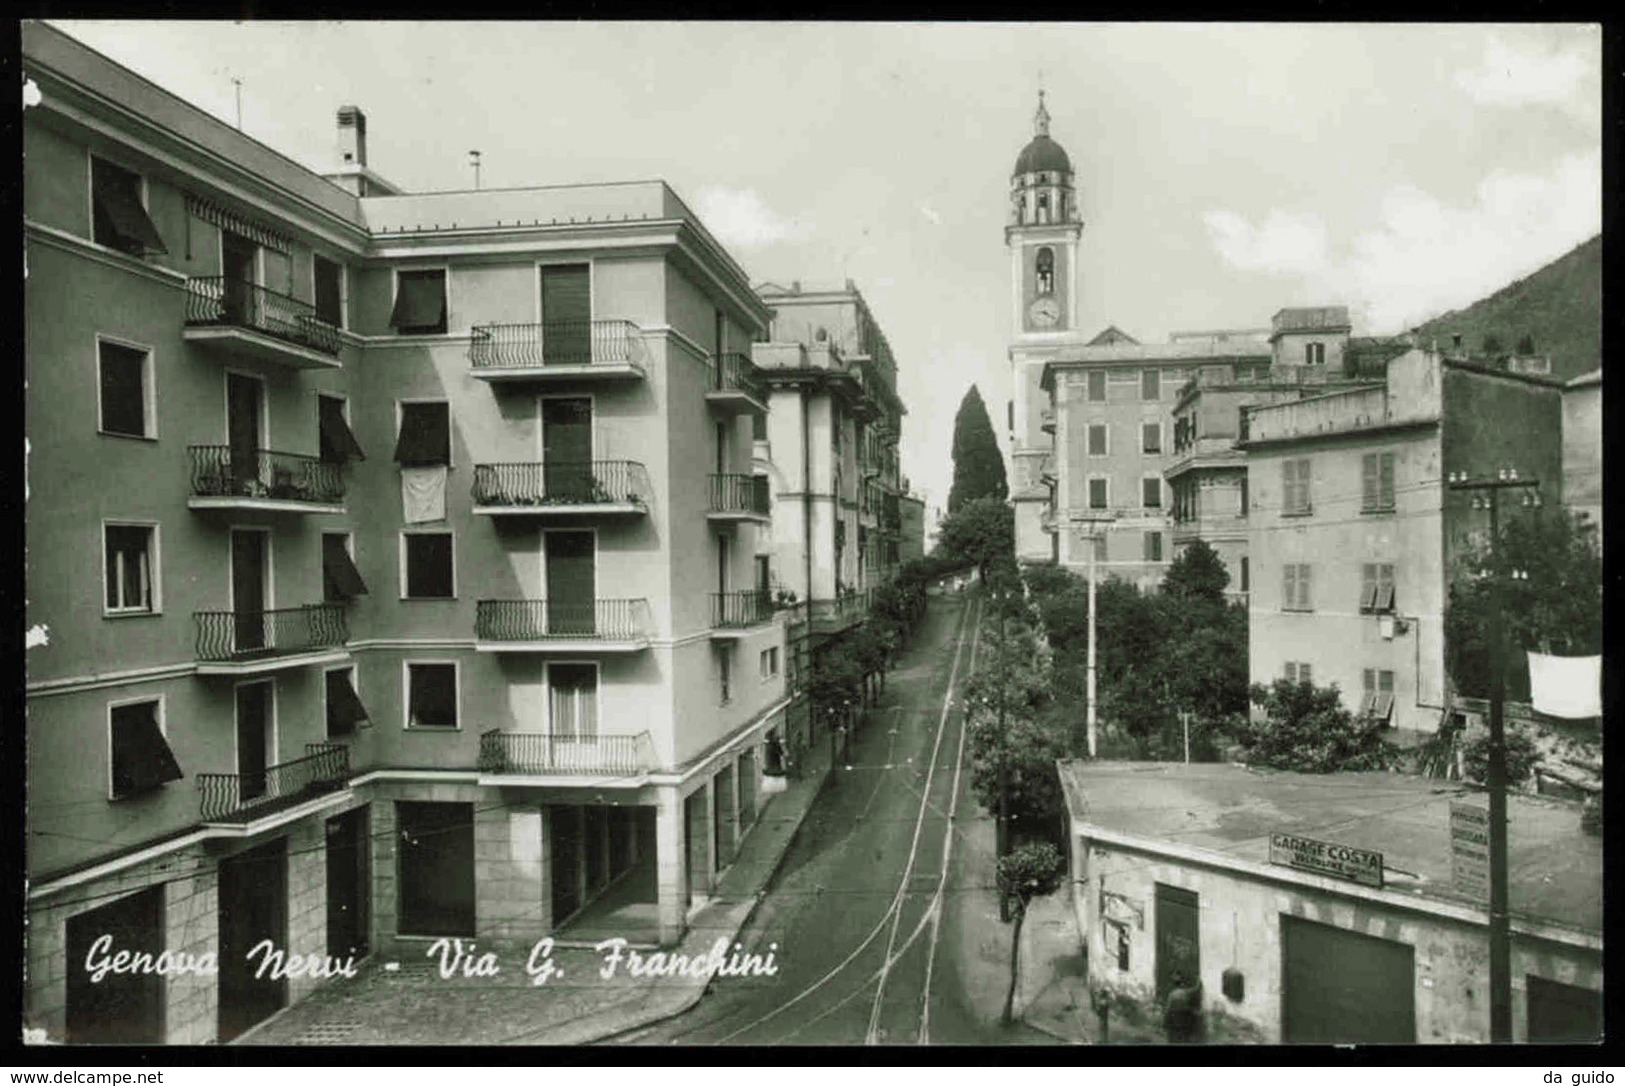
1042, 154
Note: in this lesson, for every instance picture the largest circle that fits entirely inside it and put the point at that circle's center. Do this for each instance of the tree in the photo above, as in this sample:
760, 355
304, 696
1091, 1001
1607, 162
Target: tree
1197, 573
1492, 345
1557, 609
1013, 742
978, 464
1030, 871
1307, 730
1526, 345
979, 533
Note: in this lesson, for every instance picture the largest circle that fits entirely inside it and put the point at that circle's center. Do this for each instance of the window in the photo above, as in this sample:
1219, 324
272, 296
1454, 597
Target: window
573, 699
1295, 587
431, 695
340, 579
131, 554
427, 566
336, 441
1097, 493
1010, 415
1097, 439
725, 673
329, 290
1378, 702
1376, 588
118, 212
141, 758
425, 436
1297, 672
1150, 385
344, 708
1153, 546
1314, 354
758, 426
1244, 578
125, 377
1377, 482
1097, 386
420, 302
1151, 437
1151, 492
770, 663
1044, 282
1295, 488
1243, 497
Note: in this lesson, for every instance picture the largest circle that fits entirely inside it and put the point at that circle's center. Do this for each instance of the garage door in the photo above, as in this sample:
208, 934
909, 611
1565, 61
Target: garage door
1341, 987
120, 1008
1563, 1013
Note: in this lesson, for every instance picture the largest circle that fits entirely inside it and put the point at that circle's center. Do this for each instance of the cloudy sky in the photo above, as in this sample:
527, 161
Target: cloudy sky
1223, 171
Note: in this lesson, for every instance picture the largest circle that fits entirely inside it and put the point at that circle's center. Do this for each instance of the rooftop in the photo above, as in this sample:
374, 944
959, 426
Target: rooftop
1319, 318
1555, 870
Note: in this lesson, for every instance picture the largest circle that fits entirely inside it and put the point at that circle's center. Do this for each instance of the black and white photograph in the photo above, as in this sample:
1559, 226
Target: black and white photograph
771, 534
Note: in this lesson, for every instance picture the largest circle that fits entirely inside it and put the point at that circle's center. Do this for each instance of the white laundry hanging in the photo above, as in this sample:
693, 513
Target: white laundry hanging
1566, 686
423, 493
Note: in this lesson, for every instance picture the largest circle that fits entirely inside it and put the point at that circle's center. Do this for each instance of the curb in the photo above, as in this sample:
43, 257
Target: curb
699, 993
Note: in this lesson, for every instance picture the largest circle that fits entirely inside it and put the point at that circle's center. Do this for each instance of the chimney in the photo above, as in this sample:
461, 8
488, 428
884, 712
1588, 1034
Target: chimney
352, 135
1455, 340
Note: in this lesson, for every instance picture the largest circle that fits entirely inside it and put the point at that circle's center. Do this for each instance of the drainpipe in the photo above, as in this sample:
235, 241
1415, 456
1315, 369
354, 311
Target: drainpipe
807, 538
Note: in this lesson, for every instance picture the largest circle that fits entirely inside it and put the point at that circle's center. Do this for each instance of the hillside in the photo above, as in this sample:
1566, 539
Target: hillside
1560, 306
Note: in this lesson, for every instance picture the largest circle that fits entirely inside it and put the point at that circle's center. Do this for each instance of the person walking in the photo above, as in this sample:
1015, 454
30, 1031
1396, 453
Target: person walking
1181, 1017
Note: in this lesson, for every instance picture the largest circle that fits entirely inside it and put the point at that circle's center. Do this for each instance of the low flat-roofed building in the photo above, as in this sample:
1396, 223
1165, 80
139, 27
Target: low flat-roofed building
1189, 869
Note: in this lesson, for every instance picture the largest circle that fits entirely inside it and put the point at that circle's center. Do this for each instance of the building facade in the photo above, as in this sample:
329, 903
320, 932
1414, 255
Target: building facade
1283, 947
911, 542
1582, 448
395, 557
1352, 536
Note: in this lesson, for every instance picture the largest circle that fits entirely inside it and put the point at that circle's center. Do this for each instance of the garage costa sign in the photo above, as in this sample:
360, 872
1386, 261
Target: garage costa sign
1324, 858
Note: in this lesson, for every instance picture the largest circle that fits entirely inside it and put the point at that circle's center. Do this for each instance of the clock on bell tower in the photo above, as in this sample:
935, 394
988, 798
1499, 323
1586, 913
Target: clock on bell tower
1043, 234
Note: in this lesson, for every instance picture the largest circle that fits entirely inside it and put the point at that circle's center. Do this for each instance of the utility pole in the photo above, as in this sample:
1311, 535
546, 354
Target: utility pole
1486, 495
238, 85
1002, 847
1089, 710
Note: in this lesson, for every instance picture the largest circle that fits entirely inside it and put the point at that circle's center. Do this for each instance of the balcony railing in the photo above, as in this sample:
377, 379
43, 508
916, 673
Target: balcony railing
546, 620
543, 753
277, 476
736, 609
233, 636
555, 343
733, 372
847, 608
242, 797
594, 482
220, 301
743, 494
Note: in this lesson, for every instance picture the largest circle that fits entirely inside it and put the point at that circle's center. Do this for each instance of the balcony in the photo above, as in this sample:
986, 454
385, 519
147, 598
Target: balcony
601, 626
274, 482
736, 384
1046, 420
252, 321
610, 350
833, 616
1205, 452
577, 488
734, 614
505, 756
254, 642
740, 497
247, 803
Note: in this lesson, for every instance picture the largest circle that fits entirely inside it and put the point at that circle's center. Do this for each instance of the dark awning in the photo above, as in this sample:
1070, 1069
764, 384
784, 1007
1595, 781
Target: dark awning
143, 760
121, 206
343, 579
420, 301
344, 708
338, 443
425, 434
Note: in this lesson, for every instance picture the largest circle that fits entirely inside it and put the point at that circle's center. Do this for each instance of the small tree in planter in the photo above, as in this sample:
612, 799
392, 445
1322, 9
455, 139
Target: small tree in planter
1027, 872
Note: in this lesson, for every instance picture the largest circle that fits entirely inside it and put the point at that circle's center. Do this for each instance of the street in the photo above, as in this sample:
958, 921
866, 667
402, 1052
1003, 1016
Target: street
875, 899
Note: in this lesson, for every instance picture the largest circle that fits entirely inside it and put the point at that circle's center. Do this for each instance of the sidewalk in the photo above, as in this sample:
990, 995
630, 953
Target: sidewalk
413, 1004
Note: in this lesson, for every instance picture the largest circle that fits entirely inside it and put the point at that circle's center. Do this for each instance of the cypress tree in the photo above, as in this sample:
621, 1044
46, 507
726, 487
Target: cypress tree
978, 465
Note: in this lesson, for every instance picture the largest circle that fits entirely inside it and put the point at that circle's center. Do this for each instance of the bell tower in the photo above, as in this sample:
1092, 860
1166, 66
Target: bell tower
1043, 233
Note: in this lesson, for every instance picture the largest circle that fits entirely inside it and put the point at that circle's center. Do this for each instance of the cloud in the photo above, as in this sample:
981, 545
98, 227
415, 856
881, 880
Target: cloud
1424, 256
740, 218
1509, 77
929, 213
1286, 244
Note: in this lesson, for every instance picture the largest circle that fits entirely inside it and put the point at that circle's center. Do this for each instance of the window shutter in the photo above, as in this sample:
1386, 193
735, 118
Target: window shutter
1289, 489
1385, 486
1305, 600
1097, 385
425, 436
1289, 587
338, 442
420, 302
142, 759
1369, 475
340, 577
120, 220
344, 708
1304, 673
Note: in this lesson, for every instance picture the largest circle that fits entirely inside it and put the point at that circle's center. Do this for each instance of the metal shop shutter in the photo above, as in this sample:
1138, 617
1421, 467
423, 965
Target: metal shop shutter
1341, 987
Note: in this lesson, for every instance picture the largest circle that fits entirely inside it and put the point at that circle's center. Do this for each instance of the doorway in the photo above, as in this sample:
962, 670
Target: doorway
567, 449
1342, 987
245, 432
571, 587
564, 832
348, 869
1562, 1013
1178, 945
256, 740
253, 909
436, 868
123, 1008
249, 573
566, 315
239, 264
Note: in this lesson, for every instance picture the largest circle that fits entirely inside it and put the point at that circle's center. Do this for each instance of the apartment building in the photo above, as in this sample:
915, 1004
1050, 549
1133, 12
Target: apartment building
1582, 448
395, 556
1311, 353
911, 541
1352, 536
